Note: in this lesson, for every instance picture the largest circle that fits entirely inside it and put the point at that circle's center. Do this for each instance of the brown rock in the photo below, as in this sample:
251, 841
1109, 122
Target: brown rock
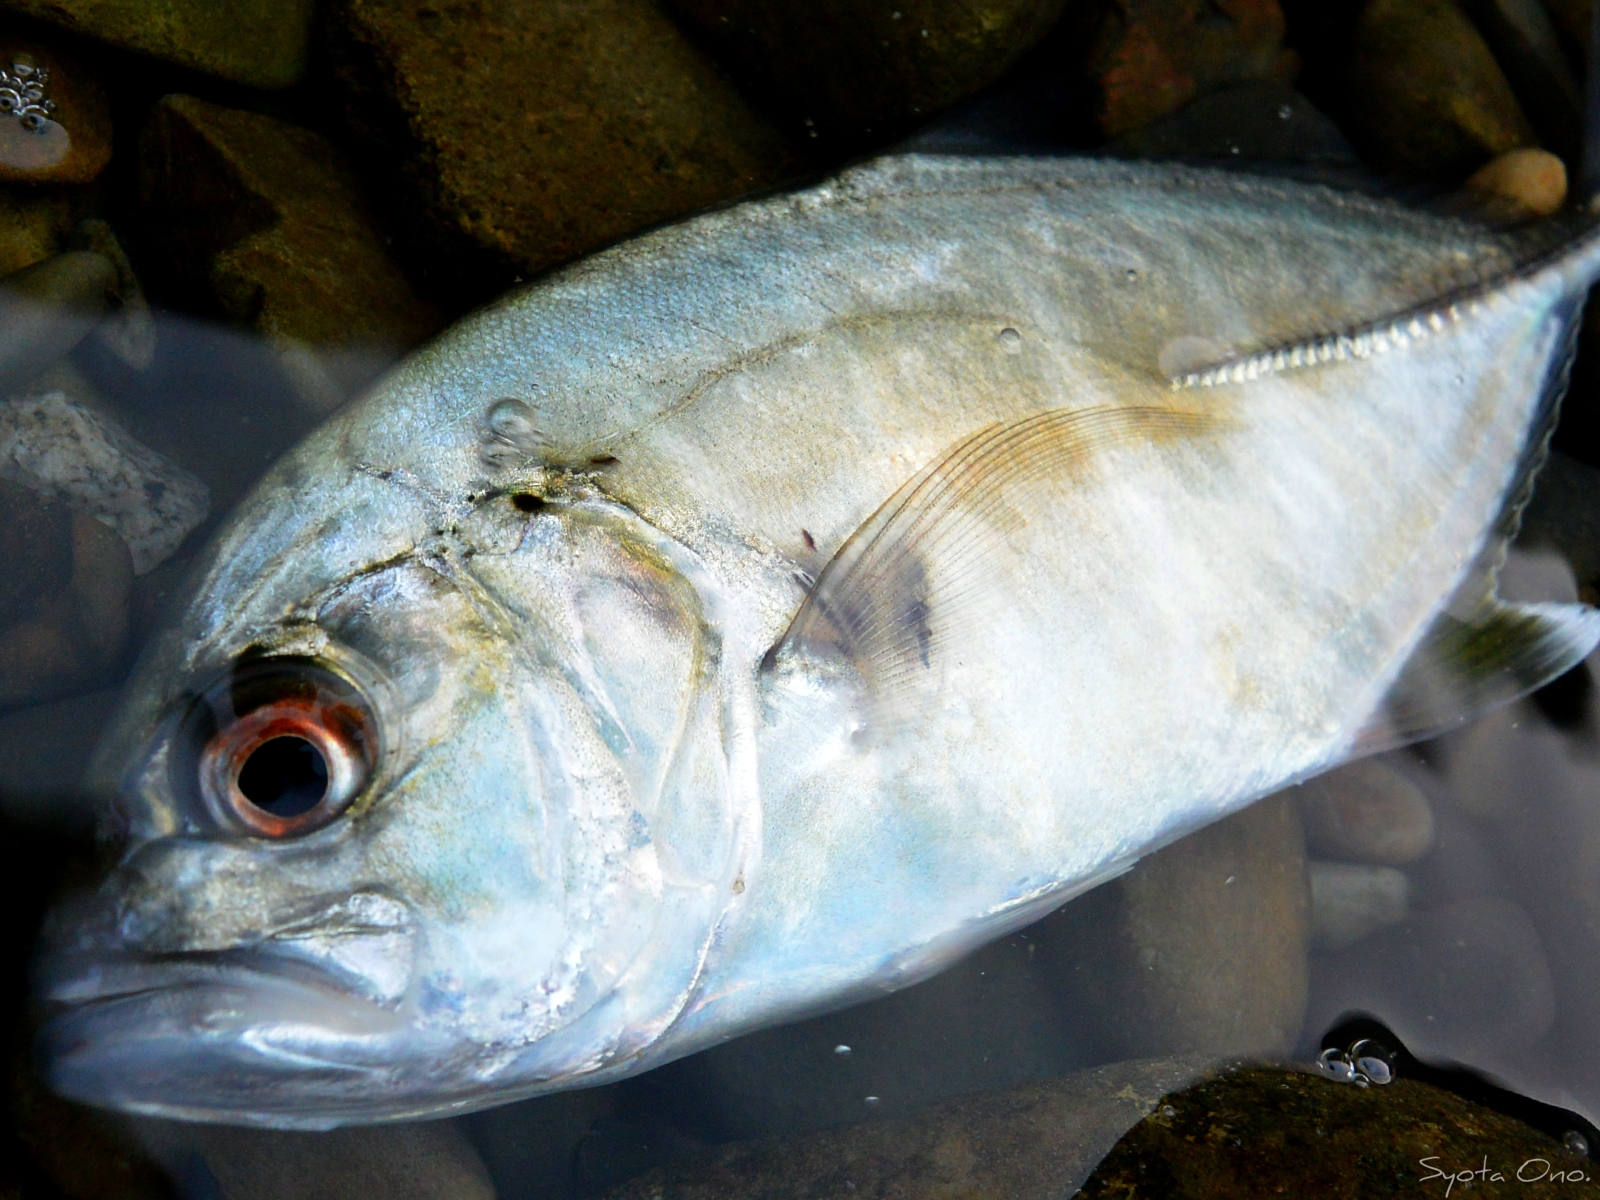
851, 72
1427, 96
102, 576
1262, 1132
1151, 57
55, 123
1521, 185
35, 222
264, 223
1028, 1143
1202, 947
35, 546
1366, 812
528, 134
257, 42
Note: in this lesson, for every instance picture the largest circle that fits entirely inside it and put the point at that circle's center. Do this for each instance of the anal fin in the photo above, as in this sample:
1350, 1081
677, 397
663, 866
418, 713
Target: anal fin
1466, 667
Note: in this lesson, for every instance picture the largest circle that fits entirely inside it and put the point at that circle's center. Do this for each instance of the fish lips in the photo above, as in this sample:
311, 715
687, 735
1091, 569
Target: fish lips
307, 1029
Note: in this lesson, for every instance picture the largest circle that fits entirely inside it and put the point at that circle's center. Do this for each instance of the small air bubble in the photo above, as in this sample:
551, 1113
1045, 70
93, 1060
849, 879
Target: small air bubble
1285, 113
1010, 340
1375, 1069
872, 1100
1575, 1142
1168, 1111
1132, 274
511, 422
842, 1050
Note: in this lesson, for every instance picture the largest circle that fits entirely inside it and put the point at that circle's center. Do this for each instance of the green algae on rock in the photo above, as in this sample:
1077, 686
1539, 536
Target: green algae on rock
854, 72
257, 42
525, 135
1264, 1132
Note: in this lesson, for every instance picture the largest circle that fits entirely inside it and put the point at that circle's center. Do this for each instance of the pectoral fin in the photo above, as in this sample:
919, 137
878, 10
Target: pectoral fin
935, 558
1464, 668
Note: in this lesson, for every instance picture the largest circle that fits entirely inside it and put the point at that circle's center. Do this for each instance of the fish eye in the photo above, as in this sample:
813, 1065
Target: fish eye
288, 744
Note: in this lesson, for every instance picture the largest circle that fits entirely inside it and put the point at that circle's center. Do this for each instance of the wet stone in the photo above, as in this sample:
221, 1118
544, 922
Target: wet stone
1427, 96
35, 222
1525, 43
1264, 1132
1202, 947
265, 224
262, 43
842, 73
1025, 1143
1259, 121
35, 546
55, 123
1350, 901
1367, 812
1151, 57
64, 450
1519, 186
526, 135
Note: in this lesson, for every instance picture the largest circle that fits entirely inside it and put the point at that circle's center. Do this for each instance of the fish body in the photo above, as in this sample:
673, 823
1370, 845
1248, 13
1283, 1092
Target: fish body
761, 614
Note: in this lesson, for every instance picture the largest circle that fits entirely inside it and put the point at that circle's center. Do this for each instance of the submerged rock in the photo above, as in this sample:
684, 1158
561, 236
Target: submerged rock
258, 42
1350, 901
264, 223
1023, 1143
1202, 947
1366, 812
55, 124
851, 73
1519, 186
1264, 1132
35, 546
1426, 94
526, 135
1526, 45
1151, 57
35, 222
63, 450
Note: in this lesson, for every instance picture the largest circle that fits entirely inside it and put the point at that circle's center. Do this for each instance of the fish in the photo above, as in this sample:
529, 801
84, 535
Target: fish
759, 615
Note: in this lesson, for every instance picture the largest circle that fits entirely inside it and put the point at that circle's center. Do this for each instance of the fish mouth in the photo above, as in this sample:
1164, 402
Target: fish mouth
271, 1035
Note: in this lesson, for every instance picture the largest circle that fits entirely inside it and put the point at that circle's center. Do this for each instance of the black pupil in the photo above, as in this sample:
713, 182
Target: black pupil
285, 777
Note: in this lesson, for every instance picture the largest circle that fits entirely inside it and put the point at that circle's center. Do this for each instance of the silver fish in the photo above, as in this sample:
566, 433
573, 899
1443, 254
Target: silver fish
759, 615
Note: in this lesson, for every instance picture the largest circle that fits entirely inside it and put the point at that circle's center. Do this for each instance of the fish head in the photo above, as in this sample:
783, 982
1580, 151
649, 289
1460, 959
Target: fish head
420, 807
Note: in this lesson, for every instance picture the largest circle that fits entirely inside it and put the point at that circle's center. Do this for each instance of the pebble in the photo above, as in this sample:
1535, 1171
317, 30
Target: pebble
1151, 57
36, 548
423, 1160
843, 74
1261, 121
1366, 812
55, 122
1427, 96
1519, 186
264, 223
35, 221
1526, 45
48, 308
1265, 1132
262, 43
59, 447
1350, 901
571, 126
1202, 947
1025, 1143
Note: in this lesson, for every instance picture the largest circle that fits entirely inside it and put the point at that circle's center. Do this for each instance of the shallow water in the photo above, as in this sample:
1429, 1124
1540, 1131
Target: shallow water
1479, 945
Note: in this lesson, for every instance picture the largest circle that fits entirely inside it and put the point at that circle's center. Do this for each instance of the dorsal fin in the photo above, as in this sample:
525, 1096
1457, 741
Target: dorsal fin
933, 559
